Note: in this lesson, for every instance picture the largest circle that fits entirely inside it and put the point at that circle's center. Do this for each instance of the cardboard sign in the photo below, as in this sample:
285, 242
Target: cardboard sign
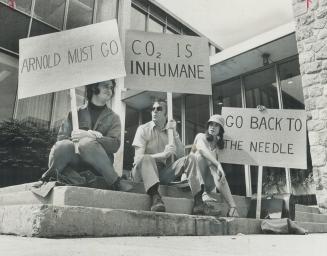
167, 63
69, 59
268, 138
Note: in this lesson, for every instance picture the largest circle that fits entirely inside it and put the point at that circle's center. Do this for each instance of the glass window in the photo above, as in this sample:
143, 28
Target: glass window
196, 115
62, 105
8, 85
291, 85
80, 13
36, 110
107, 10
155, 26
227, 95
39, 28
261, 89
171, 31
50, 11
14, 26
138, 19
22, 5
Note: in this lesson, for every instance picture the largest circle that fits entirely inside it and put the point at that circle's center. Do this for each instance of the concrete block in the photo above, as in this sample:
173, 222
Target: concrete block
310, 217
23, 197
307, 209
313, 227
235, 226
72, 221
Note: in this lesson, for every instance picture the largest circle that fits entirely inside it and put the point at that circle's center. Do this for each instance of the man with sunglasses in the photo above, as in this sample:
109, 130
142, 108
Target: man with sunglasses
98, 138
153, 158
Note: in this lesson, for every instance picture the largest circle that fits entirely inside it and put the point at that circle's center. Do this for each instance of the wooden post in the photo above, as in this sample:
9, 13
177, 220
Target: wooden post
288, 180
259, 192
170, 116
73, 107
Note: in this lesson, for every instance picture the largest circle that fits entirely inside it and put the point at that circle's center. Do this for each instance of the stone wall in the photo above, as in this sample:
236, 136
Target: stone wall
311, 36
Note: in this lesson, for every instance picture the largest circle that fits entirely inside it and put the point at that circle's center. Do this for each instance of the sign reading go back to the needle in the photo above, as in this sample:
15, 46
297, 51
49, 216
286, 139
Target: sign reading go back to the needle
69, 59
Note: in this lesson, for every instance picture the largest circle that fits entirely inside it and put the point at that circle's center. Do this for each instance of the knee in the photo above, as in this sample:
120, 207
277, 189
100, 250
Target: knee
63, 146
86, 144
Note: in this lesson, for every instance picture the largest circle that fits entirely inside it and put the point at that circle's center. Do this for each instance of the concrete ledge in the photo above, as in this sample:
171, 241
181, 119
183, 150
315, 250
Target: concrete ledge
307, 209
310, 217
90, 197
72, 221
313, 227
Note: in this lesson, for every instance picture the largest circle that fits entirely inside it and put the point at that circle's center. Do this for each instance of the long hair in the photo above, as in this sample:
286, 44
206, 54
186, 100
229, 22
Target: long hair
94, 89
220, 137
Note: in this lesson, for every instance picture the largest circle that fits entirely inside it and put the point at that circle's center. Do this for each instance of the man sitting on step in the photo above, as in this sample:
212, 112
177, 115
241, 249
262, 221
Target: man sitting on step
153, 160
98, 138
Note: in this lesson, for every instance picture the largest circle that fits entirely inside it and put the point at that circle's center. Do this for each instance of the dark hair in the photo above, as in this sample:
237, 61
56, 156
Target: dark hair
220, 137
94, 89
161, 102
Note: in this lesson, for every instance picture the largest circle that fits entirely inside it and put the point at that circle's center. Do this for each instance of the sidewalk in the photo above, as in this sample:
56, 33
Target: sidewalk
261, 245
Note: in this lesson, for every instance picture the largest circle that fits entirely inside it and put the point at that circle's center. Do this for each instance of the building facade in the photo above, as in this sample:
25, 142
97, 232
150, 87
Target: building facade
264, 71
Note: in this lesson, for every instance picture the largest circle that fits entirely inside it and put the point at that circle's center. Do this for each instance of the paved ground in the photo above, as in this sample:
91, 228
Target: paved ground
261, 245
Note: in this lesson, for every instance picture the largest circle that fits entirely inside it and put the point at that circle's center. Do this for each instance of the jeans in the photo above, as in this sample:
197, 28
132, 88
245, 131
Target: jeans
91, 153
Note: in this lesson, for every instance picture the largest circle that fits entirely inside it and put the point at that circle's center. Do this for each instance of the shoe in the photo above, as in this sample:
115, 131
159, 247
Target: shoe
207, 198
157, 204
232, 212
205, 209
296, 229
121, 185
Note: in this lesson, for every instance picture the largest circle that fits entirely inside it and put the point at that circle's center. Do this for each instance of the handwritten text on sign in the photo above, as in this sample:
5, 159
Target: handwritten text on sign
167, 63
69, 59
269, 138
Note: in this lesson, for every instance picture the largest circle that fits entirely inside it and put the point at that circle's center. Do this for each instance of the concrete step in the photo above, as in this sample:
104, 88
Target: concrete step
313, 227
166, 191
307, 209
73, 221
89, 197
310, 217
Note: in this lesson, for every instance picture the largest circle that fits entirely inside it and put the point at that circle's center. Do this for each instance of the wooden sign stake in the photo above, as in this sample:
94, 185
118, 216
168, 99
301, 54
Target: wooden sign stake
259, 192
73, 106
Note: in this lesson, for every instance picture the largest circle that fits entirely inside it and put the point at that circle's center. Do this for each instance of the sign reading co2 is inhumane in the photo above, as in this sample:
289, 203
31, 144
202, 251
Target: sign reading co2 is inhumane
268, 138
69, 59
167, 63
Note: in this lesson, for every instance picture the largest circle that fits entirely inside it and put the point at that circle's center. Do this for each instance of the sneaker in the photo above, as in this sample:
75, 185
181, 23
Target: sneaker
157, 204
205, 209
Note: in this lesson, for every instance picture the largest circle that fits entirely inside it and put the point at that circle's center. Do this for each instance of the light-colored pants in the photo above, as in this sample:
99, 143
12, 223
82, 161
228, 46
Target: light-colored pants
91, 153
149, 172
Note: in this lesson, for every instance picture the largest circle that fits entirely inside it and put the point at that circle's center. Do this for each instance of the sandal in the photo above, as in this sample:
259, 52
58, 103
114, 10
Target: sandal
232, 212
207, 198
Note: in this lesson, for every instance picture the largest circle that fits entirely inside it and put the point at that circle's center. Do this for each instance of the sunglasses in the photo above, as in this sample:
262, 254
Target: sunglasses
157, 108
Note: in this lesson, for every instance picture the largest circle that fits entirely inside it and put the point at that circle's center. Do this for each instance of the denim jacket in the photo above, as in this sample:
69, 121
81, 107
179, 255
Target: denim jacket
108, 123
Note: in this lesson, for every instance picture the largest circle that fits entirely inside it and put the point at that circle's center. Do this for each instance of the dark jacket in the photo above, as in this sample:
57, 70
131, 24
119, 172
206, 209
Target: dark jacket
108, 123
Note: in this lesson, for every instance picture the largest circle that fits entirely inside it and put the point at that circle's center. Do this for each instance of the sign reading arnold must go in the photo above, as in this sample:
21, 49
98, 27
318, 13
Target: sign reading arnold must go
69, 59
268, 138
169, 63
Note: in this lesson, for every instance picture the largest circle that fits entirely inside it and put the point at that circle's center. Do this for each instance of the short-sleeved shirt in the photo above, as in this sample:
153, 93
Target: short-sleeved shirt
202, 137
151, 138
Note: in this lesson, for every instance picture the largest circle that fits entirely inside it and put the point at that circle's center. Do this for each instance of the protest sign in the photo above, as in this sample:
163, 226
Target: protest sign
69, 59
167, 63
271, 137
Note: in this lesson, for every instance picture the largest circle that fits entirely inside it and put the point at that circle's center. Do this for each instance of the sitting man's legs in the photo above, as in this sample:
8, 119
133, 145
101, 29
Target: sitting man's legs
146, 171
92, 153
62, 153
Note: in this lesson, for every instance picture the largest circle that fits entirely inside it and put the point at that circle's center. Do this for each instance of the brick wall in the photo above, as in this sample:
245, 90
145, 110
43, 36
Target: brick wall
311, 36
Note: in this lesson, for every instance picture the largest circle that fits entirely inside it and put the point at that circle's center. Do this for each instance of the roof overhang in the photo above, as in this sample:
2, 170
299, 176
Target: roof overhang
279, 43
